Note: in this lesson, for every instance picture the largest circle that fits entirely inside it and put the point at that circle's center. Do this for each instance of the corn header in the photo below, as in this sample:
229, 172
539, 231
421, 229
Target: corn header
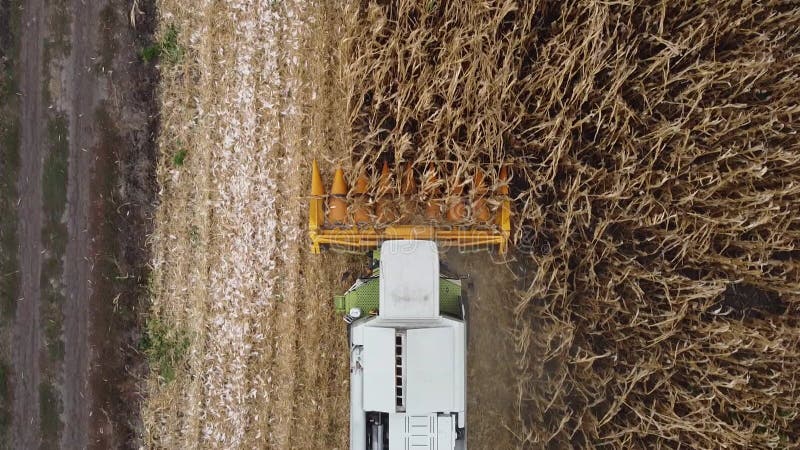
379, 209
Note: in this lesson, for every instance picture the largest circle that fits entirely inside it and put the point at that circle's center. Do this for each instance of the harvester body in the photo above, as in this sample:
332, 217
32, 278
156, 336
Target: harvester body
407, 329
407, 356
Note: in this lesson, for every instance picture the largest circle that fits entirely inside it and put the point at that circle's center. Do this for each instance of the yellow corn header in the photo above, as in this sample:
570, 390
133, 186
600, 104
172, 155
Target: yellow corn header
356, 219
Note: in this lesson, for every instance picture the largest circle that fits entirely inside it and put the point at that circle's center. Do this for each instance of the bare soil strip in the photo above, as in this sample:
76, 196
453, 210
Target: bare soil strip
27, 332
10, 16
489, 283
82, 93
85, 188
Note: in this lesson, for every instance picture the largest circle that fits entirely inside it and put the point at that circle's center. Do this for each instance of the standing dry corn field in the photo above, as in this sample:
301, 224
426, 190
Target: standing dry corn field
656, 174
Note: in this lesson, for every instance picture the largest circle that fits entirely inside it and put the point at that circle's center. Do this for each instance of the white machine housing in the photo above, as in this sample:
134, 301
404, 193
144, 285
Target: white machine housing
408, 363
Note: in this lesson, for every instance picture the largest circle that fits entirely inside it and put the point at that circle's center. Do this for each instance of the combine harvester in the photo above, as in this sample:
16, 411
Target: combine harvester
407, 326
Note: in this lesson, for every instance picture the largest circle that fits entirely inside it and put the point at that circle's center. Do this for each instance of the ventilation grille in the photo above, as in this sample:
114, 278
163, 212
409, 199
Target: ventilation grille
400, 371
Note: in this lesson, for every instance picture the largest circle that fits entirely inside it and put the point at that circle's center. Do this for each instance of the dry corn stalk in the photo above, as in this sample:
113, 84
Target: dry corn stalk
657, 181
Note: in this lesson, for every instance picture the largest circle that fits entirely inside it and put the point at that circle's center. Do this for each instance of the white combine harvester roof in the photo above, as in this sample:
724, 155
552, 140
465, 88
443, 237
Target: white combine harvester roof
409, 280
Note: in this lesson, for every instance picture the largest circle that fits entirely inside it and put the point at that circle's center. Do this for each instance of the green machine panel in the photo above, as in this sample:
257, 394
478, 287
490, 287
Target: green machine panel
364, 296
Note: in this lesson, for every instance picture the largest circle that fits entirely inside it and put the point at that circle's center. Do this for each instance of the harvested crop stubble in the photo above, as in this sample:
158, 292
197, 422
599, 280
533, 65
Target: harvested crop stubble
257, 348
656, 164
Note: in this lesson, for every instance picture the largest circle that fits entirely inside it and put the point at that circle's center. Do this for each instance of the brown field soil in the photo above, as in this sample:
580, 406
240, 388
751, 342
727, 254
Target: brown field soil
82, 220
9, 166
488, 284
26, 338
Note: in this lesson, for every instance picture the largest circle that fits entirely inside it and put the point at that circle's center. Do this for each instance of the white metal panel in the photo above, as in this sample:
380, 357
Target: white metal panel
460, 362
409, 280
431, 379
358, 423
446, 433
357, 333
397, 431
378, 362
421, 432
